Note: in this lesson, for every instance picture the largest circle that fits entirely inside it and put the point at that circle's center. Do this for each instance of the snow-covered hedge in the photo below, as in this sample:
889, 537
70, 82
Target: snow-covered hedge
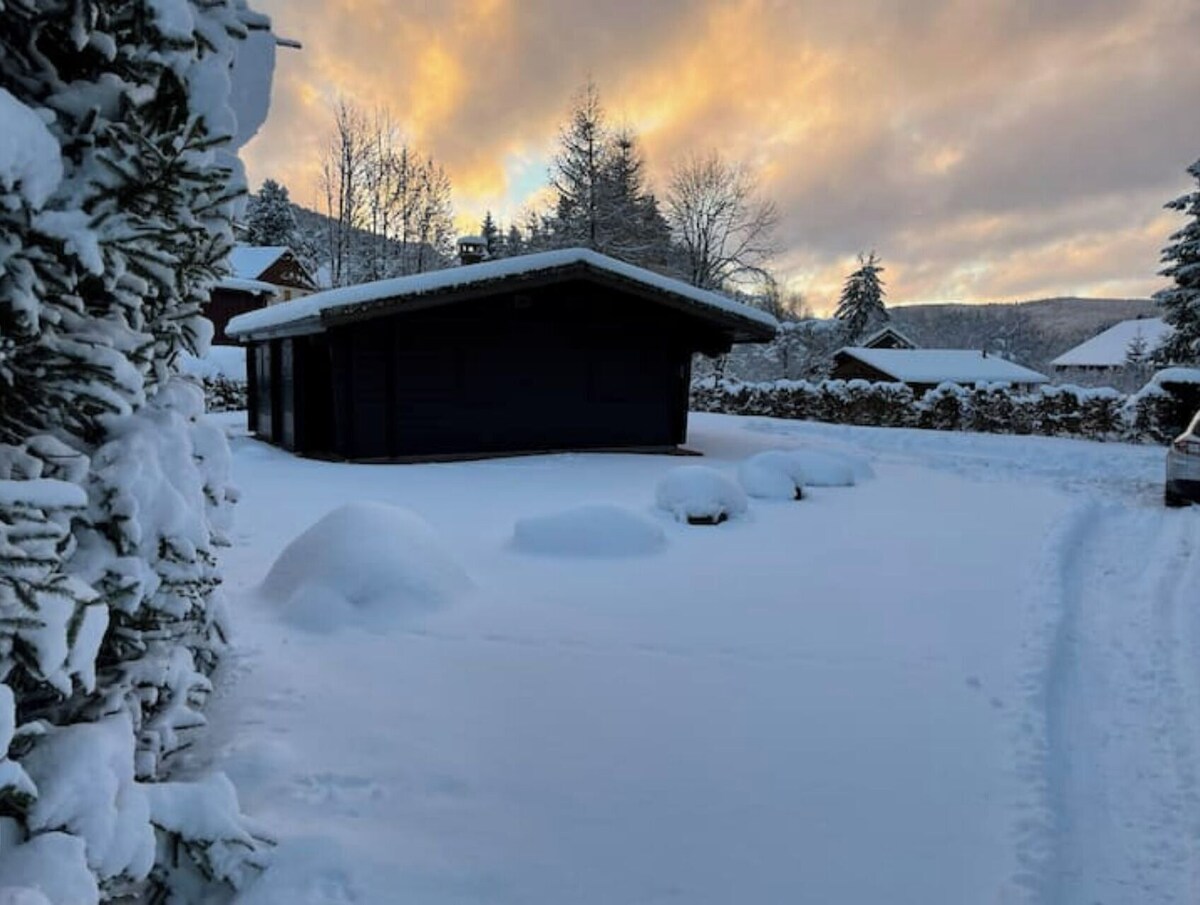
224, 395
1152, 415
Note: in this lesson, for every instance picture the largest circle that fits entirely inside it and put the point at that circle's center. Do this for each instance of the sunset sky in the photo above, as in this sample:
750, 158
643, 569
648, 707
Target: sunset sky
987, 150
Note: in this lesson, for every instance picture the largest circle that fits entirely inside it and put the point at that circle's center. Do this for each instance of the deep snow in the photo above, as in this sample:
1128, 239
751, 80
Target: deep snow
973, 679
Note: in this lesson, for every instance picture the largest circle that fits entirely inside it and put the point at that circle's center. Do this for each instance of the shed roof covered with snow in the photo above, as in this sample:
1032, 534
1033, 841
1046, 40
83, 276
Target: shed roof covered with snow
930, 367
1110, 348
314, 313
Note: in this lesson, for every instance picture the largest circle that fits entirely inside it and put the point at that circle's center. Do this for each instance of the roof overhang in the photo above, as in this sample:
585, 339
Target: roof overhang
735, 326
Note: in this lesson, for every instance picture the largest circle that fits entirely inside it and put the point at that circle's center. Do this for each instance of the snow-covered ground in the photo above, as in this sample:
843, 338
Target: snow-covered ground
971, 678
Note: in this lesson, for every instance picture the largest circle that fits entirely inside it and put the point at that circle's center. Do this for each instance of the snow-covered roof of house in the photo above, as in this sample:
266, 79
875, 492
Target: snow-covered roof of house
312, 313
249, 262
964, 366
874, 339
1108, 349
257, 287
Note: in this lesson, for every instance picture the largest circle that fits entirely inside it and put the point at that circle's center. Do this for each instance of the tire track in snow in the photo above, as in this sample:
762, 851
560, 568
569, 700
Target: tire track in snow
1119, 777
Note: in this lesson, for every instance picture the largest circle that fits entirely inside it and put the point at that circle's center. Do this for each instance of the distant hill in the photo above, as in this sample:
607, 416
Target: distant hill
1033, 332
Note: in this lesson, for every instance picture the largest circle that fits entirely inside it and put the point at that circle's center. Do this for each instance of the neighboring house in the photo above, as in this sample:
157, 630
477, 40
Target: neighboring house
1109, 351
261, 276
560, 350
924, 369
887, 338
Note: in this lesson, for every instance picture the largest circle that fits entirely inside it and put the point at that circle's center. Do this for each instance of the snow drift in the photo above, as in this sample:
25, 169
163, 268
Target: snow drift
700, 495
772, 475
596, 529
779, 474
363, 564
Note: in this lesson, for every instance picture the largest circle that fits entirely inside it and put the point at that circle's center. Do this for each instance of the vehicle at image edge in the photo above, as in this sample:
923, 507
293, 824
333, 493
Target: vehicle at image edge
1183, 467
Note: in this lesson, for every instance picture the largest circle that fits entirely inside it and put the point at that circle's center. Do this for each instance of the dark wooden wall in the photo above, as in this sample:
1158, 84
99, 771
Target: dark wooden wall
226, 304
573, 366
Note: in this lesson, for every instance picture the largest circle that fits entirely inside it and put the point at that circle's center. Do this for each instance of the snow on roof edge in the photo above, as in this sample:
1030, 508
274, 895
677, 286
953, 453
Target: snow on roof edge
258, 287
312, 307
900, 363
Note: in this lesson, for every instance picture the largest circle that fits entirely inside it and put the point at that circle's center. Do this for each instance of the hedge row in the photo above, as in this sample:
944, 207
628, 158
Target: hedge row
1150, 416
224, 395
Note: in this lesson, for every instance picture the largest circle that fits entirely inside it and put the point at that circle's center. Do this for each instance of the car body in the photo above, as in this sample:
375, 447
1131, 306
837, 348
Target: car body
1183, 467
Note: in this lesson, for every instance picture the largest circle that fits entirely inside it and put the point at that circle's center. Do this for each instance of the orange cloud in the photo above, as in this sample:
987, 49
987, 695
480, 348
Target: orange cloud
984, 149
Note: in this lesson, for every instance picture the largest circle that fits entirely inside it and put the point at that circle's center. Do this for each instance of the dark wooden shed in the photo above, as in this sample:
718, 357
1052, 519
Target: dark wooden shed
555, 351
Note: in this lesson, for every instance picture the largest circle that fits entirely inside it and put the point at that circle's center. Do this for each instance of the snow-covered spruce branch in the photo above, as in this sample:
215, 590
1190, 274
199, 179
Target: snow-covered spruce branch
117, 193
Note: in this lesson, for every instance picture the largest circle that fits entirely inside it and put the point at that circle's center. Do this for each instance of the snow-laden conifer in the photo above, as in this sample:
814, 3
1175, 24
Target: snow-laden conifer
271, 220
117, 194
861, 305
1181, 302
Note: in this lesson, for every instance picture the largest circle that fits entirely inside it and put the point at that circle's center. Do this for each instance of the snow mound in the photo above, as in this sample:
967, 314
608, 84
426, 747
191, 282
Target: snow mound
228, 362
773, 475
363, 564
829, 469
700, 495
591, 530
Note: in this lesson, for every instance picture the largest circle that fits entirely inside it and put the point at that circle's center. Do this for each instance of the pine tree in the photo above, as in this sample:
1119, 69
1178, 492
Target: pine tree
1137, 352
271, 220
490, 233
630, 225
861, 304
113, 493
514, 242
1181, 302
578, 170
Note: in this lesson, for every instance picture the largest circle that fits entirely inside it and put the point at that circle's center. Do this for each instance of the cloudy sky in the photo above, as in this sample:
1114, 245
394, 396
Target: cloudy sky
987, 149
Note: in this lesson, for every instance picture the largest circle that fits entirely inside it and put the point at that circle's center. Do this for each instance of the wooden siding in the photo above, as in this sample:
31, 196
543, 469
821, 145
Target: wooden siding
226, 304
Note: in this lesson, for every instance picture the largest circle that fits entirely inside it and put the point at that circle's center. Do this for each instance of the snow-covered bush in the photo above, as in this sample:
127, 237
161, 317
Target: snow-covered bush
224, 395
1155, 414
598, 529
117, 192
772, 475
944, 408
363, 564
700, 495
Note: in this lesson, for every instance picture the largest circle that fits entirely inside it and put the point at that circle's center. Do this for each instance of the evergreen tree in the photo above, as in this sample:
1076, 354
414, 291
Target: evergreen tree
1181, 302
271, 220
577, 172
115, 221
630, 225
1137, 353
861, 304
490, 233
514, 243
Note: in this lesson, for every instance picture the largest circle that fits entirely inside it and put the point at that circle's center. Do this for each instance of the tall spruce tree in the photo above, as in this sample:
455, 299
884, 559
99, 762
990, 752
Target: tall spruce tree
490, 233
577, 172
271, 220
861, 305
1181, 302
116, 214
631, 226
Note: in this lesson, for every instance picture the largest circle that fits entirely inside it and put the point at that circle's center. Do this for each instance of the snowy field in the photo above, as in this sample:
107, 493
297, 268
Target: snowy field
970, 678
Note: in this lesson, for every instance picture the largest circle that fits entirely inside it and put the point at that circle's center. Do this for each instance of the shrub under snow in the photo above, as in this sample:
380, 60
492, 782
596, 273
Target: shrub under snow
591, 530
700, 495
363, 564
772, 475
